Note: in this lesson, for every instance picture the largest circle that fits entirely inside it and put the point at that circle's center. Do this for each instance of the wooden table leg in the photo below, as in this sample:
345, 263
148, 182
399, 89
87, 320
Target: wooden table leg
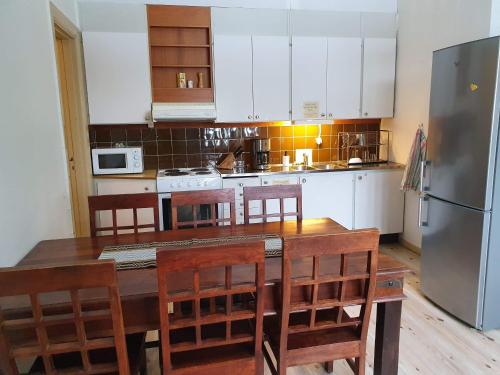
387, 338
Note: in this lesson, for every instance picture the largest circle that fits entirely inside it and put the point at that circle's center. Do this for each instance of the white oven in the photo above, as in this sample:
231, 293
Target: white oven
185, 179
118, 160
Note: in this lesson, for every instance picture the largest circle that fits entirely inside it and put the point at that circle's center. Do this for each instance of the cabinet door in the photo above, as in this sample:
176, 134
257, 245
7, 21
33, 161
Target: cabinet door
271, 78
344, 78
309, 66
125, 186
378, 201
238, 184
118, 77
379, 69
233, 78
328, 195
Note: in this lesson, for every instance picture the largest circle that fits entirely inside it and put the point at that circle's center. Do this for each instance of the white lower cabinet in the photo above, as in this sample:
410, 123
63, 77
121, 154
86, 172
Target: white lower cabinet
124, 186
328, 195
356, 200
378, 200
238, 184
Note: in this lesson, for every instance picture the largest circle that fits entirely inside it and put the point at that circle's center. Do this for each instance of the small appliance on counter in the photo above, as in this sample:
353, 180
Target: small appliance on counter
117, 160
261, 149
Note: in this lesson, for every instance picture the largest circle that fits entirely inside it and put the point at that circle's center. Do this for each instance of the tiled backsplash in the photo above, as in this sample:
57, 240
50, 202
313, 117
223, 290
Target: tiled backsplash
178, 147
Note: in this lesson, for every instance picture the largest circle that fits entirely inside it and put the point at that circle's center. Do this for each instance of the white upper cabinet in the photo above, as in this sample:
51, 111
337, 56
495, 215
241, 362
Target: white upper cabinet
118, 77
344, 78
309, 67
252, 78
233, 78
271, 78
379, 70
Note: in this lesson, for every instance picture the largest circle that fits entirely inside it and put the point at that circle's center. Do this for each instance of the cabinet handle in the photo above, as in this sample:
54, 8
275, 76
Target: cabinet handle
304, 180
146, 188
330, 115
257, 117
366, 113
240, 184
265, 182
360, 177
241, 213
249, 117
241, 194
323, 115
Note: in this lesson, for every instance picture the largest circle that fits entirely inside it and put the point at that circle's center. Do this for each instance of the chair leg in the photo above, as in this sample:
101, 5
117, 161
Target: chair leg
360, 365
281, 367
328, 367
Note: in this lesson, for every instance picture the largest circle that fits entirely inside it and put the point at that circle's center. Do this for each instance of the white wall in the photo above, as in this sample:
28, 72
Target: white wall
495, 18
425, 26
34, 195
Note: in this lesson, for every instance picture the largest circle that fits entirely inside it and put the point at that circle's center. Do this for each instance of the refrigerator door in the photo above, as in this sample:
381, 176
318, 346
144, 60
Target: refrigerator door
462, 125
454, 248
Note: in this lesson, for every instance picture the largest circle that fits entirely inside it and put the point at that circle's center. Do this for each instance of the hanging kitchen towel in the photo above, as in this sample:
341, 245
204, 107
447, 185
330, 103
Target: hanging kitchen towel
411, 176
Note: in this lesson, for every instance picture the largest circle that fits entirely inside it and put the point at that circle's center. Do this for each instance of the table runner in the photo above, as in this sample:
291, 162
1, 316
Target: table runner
143, 255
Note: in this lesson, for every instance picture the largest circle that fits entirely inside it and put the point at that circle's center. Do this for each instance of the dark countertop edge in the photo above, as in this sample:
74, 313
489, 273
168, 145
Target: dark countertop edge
353, 168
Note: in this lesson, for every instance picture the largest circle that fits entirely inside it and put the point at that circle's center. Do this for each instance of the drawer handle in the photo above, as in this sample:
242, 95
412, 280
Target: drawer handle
241, 194
146, 188
240, 184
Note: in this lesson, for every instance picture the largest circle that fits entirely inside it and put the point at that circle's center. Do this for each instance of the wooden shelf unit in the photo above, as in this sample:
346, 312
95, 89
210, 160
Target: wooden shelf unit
180, 41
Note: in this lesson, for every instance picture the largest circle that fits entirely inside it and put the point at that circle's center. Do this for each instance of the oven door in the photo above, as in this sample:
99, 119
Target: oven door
184, 213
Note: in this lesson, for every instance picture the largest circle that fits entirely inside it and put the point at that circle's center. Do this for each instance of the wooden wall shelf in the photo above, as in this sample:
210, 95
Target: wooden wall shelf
180, 41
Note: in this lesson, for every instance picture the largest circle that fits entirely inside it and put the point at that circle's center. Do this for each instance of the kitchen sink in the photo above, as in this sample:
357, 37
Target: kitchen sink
330, 166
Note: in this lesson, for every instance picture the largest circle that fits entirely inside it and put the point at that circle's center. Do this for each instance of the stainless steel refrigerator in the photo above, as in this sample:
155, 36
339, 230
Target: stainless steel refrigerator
460, 205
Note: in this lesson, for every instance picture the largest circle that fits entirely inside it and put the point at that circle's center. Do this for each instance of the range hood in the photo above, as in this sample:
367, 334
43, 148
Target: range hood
183, 111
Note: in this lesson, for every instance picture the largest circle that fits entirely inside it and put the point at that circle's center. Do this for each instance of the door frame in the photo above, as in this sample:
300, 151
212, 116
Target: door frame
75, 121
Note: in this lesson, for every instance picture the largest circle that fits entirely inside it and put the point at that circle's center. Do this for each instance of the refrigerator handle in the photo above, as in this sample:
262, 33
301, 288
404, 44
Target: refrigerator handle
421, 199
423, 165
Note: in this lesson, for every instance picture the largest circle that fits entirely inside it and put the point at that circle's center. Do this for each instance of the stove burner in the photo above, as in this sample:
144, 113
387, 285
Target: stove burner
200, 170
176, 174
203, 172
172, 170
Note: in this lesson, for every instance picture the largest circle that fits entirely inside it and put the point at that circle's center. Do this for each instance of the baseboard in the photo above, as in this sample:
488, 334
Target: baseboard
410, 246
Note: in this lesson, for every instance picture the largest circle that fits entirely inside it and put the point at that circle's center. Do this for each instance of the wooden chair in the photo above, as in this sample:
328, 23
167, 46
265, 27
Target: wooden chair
123, 202
195, 199
69, 334
263, 193
325, 311
227, 340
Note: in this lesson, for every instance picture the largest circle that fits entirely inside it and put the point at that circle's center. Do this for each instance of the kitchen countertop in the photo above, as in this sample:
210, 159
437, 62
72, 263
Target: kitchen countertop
316, 168
148, 174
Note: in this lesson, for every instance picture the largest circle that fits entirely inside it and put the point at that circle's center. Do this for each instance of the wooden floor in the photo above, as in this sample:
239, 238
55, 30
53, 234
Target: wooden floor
432, 342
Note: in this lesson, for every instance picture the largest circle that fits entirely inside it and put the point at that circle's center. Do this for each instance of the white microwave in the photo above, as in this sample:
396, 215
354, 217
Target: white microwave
117, 160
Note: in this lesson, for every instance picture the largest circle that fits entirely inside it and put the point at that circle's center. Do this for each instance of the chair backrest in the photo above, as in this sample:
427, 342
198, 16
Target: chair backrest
123, 202
335, 296
196, 199
218, 262
264, 193
43, 330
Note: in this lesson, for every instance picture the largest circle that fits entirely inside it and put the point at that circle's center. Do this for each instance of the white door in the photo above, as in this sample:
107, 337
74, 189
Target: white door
344, 78
309, 66
118, 77
271, 78
328, 195
379, 70
378, 201
233, 78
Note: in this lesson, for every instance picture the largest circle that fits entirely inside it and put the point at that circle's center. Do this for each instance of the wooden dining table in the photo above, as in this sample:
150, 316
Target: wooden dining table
139, 289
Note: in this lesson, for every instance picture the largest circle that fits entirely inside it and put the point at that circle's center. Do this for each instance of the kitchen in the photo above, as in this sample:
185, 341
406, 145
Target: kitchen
209, 96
